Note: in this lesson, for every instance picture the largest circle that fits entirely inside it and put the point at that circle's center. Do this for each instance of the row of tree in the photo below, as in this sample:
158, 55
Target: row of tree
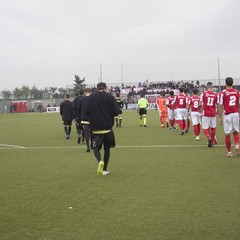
48, 92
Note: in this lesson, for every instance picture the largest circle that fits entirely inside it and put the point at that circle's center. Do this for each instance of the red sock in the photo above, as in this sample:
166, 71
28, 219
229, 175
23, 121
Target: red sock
183, 124
213, 133
199, 128
188, 124
171, 123
174, 122
228, 142
207, 133
195, 128
236, 138
180, 124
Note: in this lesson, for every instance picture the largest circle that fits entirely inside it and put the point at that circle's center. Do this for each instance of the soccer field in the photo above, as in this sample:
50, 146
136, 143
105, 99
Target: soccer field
161, 185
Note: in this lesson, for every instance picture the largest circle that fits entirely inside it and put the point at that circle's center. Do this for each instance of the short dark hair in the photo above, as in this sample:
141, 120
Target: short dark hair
87, 90
195, 91
229, 81
67, 96
186, 90
101, 86
142, 95
171, 93
81, 91
209, 84
181, 90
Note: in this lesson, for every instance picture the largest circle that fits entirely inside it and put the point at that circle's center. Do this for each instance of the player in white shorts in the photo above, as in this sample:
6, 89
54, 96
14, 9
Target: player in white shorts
194, 105
208, 104
171, 112
180, 103
229, 106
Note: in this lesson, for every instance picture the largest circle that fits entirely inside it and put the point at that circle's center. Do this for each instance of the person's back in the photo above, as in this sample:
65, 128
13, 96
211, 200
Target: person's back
142, 102
208, 107
103, 110
75, 103
169, 101
118, 118
142, 110
209, 102
230, 100
82, 108
171, 114
229, 108
66, 112
181, 101
194, 106
162, 104
194, 103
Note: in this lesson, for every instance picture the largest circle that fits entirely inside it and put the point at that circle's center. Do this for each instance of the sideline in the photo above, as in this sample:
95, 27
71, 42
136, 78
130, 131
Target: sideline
6, 146
11, 147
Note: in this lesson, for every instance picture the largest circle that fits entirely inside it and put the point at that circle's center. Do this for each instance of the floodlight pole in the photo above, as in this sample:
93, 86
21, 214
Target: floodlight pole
100, 72
219, 79
122, 72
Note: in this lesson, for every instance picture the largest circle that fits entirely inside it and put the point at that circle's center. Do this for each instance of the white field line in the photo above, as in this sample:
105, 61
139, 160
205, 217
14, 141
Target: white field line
6, 146
11, 147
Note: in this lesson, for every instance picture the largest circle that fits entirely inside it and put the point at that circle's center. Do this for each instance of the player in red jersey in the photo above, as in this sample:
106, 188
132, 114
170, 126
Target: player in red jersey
194, 106
180, 103
208, 103
171, 114
229, 105
186, 90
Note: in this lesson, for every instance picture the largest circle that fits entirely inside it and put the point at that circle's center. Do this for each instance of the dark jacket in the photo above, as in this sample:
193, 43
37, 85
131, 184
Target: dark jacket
101, 110
75, 104
82, 108
66, 110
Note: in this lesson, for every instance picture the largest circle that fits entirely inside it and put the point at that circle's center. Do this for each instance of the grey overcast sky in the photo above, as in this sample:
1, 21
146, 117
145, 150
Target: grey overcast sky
45, 42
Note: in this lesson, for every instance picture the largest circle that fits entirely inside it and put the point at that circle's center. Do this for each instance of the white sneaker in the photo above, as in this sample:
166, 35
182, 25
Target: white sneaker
229, 154
104, 173
197, 138
237, 150
100, 168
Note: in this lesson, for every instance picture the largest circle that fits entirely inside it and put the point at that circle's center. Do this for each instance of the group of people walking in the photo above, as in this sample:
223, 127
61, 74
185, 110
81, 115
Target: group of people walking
95, 114
204, 110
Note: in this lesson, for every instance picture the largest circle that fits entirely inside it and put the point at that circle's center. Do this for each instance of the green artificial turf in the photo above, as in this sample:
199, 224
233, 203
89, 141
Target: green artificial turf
161, 185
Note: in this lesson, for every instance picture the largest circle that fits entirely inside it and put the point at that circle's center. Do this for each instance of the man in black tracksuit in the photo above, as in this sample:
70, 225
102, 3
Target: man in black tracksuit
66, 112
101, 110
81, 109
77, 115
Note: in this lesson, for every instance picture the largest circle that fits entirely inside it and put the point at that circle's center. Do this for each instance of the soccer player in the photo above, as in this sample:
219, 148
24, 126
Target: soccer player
66, 112
186, 90
163, 111
194, 106
142, 110
101, 110
180, 103
81, 108
229, 104
208, 107
77, 115
171, 114
118, 118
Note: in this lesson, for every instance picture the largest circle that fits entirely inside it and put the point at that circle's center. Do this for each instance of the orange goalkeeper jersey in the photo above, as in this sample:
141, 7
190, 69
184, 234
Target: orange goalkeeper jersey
162, 106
